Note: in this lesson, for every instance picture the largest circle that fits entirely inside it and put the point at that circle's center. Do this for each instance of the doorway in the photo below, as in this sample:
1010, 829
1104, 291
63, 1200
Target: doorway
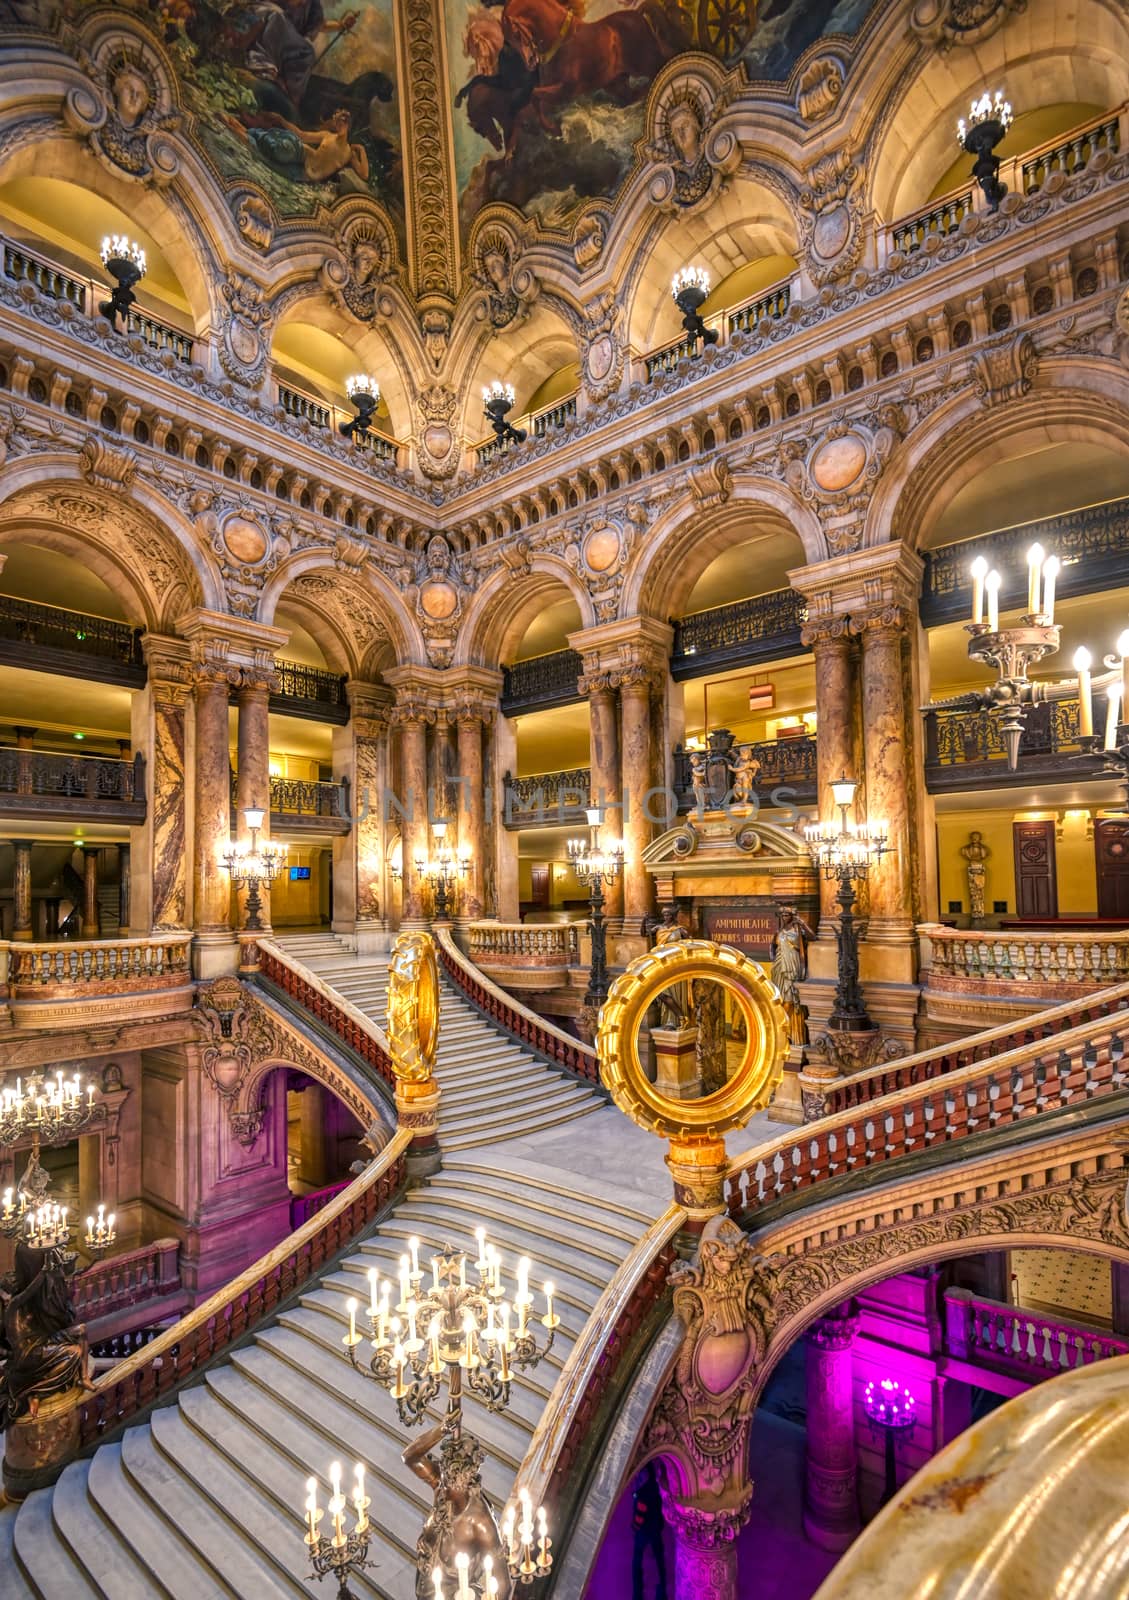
1036, 886
1111, 848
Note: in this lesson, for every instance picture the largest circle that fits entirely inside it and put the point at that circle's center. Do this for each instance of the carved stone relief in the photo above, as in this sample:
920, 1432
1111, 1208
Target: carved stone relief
691, 157
127, 108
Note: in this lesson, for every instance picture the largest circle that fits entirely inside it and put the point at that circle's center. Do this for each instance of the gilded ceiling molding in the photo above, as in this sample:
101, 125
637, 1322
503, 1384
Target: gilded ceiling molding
433, 245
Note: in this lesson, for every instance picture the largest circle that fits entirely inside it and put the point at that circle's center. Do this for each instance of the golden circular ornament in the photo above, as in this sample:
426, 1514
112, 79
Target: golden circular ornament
751, 1085
413, 1007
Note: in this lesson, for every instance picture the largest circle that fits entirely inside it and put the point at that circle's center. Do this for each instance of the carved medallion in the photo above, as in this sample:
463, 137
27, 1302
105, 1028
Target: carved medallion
245, 540
838, 463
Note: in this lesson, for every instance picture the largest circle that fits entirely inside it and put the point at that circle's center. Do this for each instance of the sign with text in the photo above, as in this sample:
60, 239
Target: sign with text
747, 928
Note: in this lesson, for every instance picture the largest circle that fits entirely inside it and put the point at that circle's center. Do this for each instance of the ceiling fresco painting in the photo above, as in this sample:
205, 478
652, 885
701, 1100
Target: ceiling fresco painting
297, 97
558, 86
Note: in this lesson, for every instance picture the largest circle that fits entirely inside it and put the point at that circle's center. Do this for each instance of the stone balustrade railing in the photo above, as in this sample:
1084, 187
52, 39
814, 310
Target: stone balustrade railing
47, 983
356, 1030
233, 1311
518, 1020
1022, 1343
134, 1278
524, 944
1040, 962
305, 1206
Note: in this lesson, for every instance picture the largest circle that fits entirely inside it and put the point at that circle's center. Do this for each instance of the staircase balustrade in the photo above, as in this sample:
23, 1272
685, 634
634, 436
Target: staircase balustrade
995, 961
346, 1020
305, 1206
525, 944
1020, 1342
510, 1014
92, 966
134, 1278
232, 1312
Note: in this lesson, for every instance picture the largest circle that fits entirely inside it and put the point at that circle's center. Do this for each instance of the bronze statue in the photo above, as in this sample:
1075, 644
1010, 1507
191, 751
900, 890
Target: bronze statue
790, 967
460, 1517
709, 1049
43, 1352
976, 853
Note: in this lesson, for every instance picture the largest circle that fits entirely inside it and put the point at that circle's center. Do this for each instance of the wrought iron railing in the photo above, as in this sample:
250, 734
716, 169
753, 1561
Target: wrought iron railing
296, 681
1092, 545
547, 799
101, 779
542, 681
763, 627
963, 748
300, 797
938, 219
784, 763
52, 628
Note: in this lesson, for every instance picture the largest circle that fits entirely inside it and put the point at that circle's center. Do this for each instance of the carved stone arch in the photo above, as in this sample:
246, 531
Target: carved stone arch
247, 1107
685, 538
507, 602
1067, 401
535, 347
360, 599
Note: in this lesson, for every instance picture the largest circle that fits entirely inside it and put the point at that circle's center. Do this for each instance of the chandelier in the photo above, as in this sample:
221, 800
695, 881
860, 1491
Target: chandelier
1012, 650
364, 391
125, 262
497, 402
690, 288
44, 1109
989, 118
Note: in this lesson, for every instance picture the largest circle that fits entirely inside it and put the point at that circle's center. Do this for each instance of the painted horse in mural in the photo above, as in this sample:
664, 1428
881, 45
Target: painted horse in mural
619, 53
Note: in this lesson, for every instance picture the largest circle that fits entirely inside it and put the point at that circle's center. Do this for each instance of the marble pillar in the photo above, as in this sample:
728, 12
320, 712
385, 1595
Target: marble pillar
21, 889
831, 1512
415, 830
160, 865
253, 766
212, 885
607, 779
888, 795
638, 771
124, 889
705, 1553
91, 917
830, 643
472, 808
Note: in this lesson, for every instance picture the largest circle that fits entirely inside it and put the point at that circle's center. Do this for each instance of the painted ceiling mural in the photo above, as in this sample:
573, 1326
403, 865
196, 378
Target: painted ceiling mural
298, 97
548, 95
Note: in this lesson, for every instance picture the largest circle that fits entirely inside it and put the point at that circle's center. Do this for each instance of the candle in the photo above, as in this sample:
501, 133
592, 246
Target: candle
1113, 694
360, 1504
413, 1246
399, 1361
522, 1304
543, 1537
491, 1330
508, 1531
1082, 661
1051, 571
548, 1319
491, 1581
1034, 578
435, 1274
312, 1513
979, 570
504, 1347
462, 1564
437, 1580
992, 587
403, 1281
480, 1235
413, 1342
90, 1095
352, 1321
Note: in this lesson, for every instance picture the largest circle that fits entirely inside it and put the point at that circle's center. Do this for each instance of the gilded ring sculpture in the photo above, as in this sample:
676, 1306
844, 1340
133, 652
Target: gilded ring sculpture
748, 1088
413, 1007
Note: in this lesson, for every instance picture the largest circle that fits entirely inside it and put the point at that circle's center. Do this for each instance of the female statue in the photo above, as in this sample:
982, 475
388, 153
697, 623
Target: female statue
43, 1352
790, 967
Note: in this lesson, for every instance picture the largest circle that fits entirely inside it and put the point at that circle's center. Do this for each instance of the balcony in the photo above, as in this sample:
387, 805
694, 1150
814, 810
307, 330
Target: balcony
48, 639
766, 307
541, 683
1092, 545
964, 749
326, 418
22, 265
97, 980
39, 785
763, 628
547, 799
299, 806
537, 424
310, 693
788, 765
525, 955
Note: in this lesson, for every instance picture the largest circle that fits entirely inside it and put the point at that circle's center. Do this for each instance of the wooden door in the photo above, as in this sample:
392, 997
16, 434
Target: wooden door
1036, 891
539, 887
1111, 846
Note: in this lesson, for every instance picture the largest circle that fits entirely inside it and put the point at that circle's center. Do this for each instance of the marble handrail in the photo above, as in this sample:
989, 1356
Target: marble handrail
638, 1283
939, 1060
143, 963
1002, 960
346, 1020
1032, 1344
136, 1383
510, 1014
525, 944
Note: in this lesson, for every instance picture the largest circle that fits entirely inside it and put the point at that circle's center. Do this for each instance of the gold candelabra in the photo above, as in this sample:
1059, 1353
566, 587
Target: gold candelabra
44, 1108
253, 865
344, 1550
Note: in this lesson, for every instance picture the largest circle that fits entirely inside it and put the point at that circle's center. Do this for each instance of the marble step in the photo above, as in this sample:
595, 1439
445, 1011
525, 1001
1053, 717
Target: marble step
13, 1584
482, 1128
111, 1566
505, 1199
48, 1565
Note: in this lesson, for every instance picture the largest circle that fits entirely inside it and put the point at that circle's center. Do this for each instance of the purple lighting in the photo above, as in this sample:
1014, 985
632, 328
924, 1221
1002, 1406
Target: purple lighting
889, 1405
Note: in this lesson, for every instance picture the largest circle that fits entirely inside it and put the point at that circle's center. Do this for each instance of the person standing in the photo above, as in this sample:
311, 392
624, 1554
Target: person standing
647, 1522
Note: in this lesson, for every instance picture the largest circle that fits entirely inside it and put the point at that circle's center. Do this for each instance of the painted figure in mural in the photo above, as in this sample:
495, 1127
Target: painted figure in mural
709, 1049
647, 1526
975, 854
42, 1351
745, 771
790, 967
501, 85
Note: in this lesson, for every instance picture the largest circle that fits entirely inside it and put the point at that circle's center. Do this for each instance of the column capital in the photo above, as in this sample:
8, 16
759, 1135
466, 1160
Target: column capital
633, 651
861, 581
707, 1527
892, 620
232, 642
827, 633
836, 1331
168, 660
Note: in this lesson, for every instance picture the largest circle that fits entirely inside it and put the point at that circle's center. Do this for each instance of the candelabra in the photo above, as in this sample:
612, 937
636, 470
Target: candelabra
845, 851
125, 262
527, 1556
497, 401
988, 121
1114, 743
364, 392
47, 1109
690, 288
891, 1407
251, 865
456, 1332
1011, 651
443, 870
341, 1552
594, 867
100, 1232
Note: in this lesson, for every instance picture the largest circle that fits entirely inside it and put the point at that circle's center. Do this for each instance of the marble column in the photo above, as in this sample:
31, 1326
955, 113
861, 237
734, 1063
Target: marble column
21, 889
831, 1513
91, 919
705, 1552
414, 822
472, 807
160, 864
365, 844
638, 770
888, 795
252, 786
212, 885
124, 889
831, 645
607, 780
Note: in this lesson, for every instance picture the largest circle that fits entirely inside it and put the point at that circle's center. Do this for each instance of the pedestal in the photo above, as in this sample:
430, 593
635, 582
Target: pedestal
417, 1109
698, 1168
676, 1051
37, 1448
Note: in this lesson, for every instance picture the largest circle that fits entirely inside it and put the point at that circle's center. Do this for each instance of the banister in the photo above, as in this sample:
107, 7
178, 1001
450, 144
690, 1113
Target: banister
351, 1025
214, 1324
518, 1020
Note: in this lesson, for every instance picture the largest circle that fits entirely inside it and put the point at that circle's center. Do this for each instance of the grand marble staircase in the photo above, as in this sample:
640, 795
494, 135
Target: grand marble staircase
204, 1499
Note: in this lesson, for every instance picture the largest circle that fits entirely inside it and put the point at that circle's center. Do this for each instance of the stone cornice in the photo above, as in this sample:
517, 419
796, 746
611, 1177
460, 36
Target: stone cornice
860, 583
217, 638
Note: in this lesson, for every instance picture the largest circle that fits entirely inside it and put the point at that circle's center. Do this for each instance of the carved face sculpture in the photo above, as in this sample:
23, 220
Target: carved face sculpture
131, 96
438, 557
685, 129
366, 263
496, 265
